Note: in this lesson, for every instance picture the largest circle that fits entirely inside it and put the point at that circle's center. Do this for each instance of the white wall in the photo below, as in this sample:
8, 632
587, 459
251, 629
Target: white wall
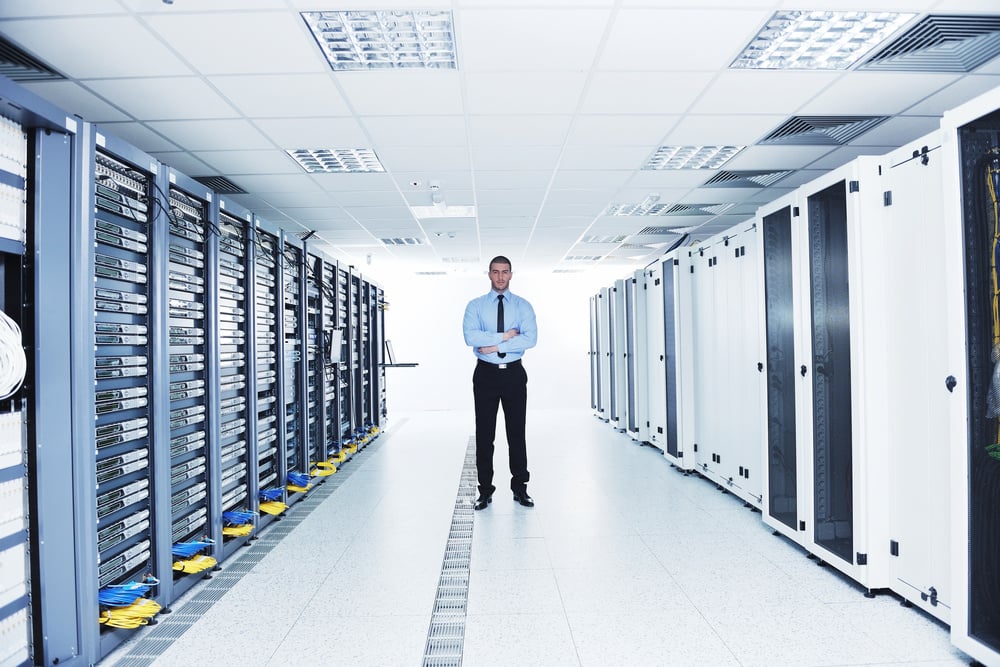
424, 323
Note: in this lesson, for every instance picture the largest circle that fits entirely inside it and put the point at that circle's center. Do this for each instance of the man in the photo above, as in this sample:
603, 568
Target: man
499, 327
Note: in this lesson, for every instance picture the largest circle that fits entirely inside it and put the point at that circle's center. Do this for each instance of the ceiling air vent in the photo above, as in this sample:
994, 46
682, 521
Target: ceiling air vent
941, 43
606, 239
402, 241
584, 258
220, 185
745, 179
20, 66
657, 231
821, 130
698, 209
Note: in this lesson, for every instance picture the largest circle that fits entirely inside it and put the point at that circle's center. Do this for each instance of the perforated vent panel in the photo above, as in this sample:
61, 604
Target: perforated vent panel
822, 130
941, 43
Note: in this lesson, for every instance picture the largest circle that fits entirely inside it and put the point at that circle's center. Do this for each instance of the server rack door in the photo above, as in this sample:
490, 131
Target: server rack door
328, 356
640, 358
668, 271
708, 391
344, 369
685, 387
595, 380
833, 440
630, 356
316, 443
619, 355
656, 387
917, 404
604, 345
749, 435
781, 446
972, 138
292, 411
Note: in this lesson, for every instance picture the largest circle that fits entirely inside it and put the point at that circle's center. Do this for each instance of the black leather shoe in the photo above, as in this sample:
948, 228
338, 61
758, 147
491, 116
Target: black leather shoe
523, 498
483, 501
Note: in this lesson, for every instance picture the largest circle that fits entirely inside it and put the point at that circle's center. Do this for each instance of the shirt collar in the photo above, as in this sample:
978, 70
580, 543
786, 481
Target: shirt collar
494, 294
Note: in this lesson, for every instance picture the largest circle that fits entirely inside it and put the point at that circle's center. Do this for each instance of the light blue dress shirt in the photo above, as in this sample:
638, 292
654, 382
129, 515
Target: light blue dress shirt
480, 326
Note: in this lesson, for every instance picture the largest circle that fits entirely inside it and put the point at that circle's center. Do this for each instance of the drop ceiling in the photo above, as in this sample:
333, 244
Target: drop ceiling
544, 124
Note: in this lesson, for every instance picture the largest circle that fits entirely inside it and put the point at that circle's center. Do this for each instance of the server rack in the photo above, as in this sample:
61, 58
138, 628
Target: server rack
33, 236
619, 360
678, 332
294, 365
366, 312
971, 150
237, 377
656, 356
314, 371
595, 357
346, 366
329, 356
637, 408
380, 411
606, 404
268, 342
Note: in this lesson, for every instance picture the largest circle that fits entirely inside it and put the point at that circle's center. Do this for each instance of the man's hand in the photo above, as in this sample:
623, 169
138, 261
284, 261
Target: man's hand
510, 333
488, 350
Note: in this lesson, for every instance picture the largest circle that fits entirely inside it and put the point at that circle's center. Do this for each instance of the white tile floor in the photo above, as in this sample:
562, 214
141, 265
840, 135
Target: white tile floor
623, 561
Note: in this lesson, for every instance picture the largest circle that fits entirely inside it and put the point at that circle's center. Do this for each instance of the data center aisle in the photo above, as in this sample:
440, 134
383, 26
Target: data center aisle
622, 561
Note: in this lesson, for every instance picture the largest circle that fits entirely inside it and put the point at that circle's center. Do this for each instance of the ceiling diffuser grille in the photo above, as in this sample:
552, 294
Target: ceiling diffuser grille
618, 238
745, 179
20, 66
941, 43
657, 231
698, 209
402, 241
822, 130
584, 258
221, 185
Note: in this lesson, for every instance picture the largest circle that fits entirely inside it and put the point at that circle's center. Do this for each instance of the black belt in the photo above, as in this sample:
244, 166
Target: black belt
509, 364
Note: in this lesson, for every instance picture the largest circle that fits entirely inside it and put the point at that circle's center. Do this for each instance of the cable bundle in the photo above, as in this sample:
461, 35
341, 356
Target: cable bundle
133, 616
122, 595
13, 364
323, 469
270, 501
196, 564
188, 549
298, 482
238, 523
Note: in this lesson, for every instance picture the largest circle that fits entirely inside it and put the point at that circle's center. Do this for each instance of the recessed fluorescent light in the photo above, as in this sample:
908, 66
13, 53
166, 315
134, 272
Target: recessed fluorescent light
337, 160
443, 211
817, 39
691, 157
384, 39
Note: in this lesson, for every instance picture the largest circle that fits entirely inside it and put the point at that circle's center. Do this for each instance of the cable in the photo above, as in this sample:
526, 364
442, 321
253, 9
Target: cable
196, 564
122, 595
133, 616
13, 363
188, 549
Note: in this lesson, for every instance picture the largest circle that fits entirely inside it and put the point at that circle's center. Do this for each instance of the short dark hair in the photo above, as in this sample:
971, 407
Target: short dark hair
500, 259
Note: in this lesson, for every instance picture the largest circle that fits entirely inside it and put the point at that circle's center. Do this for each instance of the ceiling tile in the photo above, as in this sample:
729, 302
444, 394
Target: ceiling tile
645, 39
620, 129
486, 197
182, 162
147, 7
518, 130
370, 198
139, 135
671, 178
76, 99
494, 211
897, 131
558, 226
402, 92
957, 93
876, 93
727, 130
68, 46
604, 157
217, 43
279, 183
196, 135
416, 130
165, 98
643, 92
495, 158
558, 209
777, 157
523, 92
283, 95
314, 132
352, 182
762, 91
419, 181
315, 199
328, 214
598, 197
443, 158
362, 213
598, 178
499, 180
33, 8
568, 38
250, 162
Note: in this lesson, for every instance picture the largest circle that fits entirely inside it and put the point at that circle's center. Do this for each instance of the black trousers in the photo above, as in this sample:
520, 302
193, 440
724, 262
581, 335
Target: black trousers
493, 386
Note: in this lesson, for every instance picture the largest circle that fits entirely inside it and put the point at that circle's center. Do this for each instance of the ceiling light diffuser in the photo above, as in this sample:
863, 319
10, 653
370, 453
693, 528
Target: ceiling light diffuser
443, 211
356, 40
691, 157
337, 160
818, 39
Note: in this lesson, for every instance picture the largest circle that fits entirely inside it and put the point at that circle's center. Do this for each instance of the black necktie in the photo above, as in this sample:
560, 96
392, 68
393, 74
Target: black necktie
500, 328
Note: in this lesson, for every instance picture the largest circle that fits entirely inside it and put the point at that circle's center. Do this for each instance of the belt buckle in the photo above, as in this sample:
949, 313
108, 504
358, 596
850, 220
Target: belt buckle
501, 366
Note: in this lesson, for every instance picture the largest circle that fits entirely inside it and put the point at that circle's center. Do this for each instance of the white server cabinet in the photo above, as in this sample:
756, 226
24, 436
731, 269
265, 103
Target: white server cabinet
971, 153
785, 502
595, 358
838, 369
637, 355
915, 422
619, 379
656, 386
728, 388
680, 376
606, 394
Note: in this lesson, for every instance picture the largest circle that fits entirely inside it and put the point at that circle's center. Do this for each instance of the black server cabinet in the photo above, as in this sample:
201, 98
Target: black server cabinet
293, 359
357, 317
831, 372
670, 352
267, 333
780, 340
345, 368
979, 152
314, 372
380, 409
329, 354
236, 378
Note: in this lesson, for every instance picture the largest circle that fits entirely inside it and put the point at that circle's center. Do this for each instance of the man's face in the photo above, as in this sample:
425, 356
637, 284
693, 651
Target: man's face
500, 276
